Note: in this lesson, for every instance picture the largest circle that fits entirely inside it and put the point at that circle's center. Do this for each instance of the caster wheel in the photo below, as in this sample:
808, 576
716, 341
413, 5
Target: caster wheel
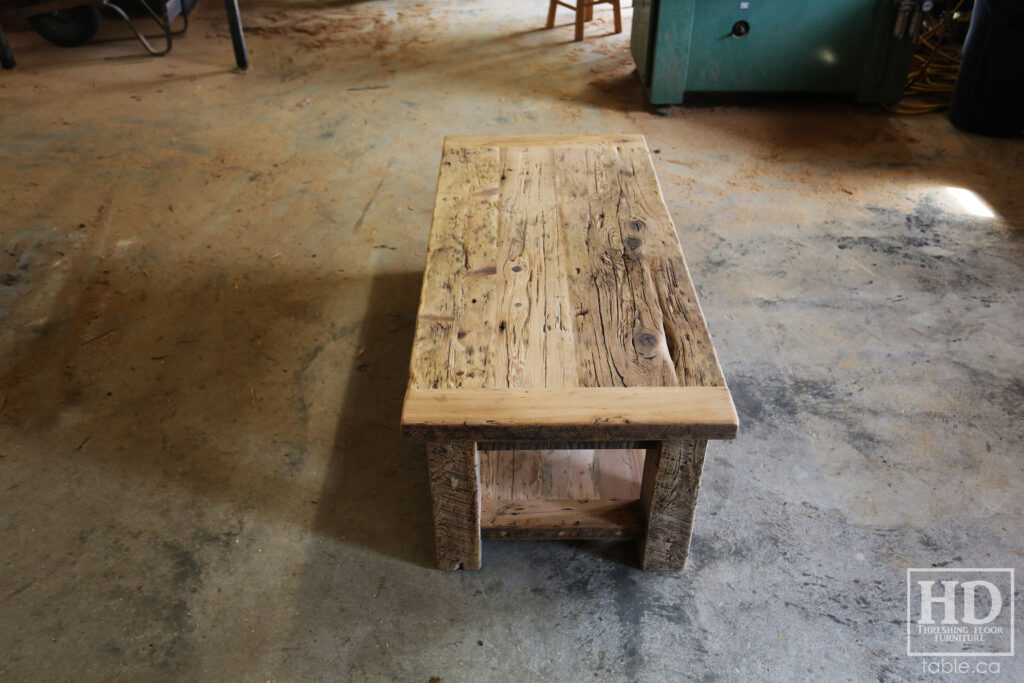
69, 27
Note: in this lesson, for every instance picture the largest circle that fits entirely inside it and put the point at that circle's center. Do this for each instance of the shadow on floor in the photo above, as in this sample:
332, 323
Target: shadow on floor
375, 490
222, 389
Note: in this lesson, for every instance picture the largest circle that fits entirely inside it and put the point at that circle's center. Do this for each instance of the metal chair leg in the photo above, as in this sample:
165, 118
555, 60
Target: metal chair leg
165, 28
237, 37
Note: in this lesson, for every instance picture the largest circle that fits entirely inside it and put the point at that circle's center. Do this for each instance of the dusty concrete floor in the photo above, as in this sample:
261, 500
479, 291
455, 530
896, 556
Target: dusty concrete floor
208, 288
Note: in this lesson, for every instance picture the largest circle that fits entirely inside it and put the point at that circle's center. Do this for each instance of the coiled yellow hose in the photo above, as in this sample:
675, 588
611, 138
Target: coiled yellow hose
935, 64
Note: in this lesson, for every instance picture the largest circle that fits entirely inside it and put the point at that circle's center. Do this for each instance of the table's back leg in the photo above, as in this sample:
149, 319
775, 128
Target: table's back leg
455, 492
669, 497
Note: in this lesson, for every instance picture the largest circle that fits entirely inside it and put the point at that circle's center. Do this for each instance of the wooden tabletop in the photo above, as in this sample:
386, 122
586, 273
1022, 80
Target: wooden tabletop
556, 302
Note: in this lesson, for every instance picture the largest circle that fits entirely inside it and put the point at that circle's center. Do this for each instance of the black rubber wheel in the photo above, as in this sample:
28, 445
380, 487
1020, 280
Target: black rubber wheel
69, 27
6, 58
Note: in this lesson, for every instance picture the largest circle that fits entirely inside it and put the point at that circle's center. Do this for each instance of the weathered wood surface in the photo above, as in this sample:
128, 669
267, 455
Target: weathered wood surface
579, 474
456, 142
557, 310
562, 519
569, 414
553, 264
455, 494
563, 445
497, 474
617, 473
669, 498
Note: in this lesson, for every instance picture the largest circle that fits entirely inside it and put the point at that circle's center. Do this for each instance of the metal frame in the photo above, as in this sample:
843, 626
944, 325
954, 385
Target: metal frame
172, 9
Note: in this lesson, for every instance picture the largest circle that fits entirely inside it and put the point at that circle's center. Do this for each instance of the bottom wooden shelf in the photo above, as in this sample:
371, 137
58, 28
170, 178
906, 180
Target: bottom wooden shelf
565, 494
560, 519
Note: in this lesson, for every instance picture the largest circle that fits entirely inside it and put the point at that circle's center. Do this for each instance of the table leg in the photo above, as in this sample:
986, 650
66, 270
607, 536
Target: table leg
669, 497
551, 14
455, 492
237, 35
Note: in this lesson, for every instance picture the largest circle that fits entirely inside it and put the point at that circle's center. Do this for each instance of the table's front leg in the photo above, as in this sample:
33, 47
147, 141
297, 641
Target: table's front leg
455, 492
672, 472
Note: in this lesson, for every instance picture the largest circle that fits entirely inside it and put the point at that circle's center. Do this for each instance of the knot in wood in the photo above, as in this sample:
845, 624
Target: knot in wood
637, 224
646, 343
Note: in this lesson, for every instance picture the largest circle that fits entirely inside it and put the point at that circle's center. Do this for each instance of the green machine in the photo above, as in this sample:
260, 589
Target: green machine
861, 47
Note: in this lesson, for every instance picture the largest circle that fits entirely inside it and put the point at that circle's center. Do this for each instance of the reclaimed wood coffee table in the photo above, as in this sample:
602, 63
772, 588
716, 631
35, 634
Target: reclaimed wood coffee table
562, 373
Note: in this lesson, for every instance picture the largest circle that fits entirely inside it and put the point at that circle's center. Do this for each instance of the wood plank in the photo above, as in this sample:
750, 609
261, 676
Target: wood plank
565, 445
618, 473
534, 344
573, 473
454, 326
661, 260
453, 142
496, 472
569, 474
637, 308
669, 499
619, 323
553, 252
604, 414
527, 475
556, 327
561, 519
455, 495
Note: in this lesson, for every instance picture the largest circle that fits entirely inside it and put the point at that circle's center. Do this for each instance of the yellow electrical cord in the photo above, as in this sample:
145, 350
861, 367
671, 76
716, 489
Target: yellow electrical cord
933, 70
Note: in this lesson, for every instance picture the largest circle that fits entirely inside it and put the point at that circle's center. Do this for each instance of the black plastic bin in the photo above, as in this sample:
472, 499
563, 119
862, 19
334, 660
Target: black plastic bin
989, 95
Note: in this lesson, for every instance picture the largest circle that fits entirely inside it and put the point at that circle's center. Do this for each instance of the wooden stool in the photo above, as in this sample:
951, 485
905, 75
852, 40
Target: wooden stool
584, 12
562, 372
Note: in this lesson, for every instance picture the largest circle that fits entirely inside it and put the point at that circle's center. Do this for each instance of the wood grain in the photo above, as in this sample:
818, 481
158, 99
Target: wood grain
453, 329
527, 475
553, 263
669, 498
582, 474
618, 472
496, 474
603, 414
561, 519
534, 337
457, 142
569, 474
564, 445
557, 308
455, 494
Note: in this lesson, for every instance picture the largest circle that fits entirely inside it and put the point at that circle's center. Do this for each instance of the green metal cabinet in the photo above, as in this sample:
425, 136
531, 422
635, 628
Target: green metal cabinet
683, 46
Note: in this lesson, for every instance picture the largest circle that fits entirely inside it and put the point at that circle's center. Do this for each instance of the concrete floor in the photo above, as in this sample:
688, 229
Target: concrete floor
209, 281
